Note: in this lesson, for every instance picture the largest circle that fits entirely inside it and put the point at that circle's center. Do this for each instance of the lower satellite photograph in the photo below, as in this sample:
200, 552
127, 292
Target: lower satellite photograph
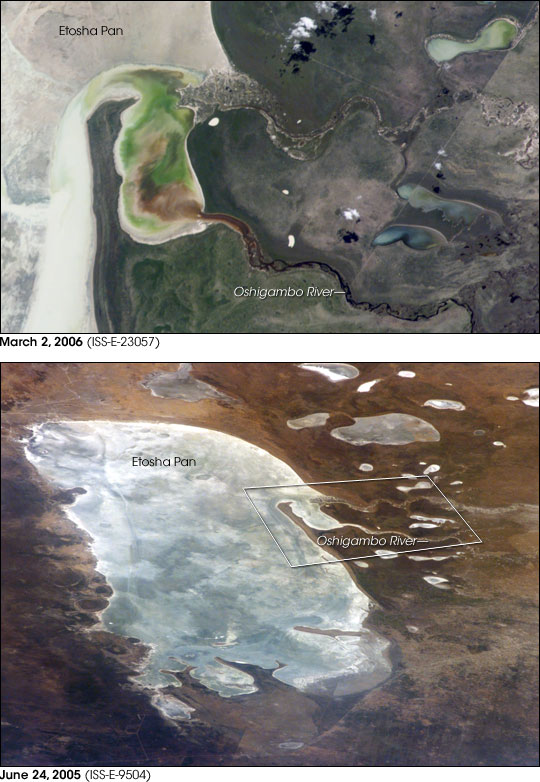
269, 564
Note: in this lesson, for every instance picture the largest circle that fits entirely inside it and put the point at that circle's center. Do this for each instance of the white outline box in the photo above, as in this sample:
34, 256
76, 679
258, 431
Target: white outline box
408, 550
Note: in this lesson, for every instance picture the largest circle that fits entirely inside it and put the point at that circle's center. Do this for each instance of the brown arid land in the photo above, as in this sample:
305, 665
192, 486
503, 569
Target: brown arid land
463, 686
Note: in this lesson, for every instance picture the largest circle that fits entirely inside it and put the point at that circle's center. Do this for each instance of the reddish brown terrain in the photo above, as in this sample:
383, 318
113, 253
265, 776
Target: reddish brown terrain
464, 679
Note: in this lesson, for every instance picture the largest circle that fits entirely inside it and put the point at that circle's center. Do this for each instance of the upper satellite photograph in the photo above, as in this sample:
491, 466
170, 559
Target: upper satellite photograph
270, 167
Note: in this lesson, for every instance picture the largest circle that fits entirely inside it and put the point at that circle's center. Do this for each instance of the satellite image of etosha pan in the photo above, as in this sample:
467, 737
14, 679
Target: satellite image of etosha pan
269, 565
197, 167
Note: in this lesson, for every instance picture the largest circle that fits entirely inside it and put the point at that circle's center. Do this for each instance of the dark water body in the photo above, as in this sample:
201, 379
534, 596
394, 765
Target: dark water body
456, 211
413, 236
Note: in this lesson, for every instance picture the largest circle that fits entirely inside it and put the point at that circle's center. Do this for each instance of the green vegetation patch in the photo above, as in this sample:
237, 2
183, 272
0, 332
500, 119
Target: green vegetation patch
188, 286
151, 144
157, 126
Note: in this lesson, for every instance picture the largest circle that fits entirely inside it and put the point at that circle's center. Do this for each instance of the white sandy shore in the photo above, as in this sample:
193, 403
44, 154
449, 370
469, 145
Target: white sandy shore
62, 299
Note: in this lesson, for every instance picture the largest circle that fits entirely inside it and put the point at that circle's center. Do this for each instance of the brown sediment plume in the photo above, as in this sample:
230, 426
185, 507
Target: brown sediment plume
176, 201
170, 202
253, 248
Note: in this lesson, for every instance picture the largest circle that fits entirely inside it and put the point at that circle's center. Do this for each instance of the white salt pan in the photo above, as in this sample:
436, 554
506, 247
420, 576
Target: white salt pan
333, 371
365, 387
194, 572
444, 404
531, 397
308, 421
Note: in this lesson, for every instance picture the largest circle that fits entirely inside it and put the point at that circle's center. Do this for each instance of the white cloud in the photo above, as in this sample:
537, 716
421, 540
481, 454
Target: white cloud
303, 28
